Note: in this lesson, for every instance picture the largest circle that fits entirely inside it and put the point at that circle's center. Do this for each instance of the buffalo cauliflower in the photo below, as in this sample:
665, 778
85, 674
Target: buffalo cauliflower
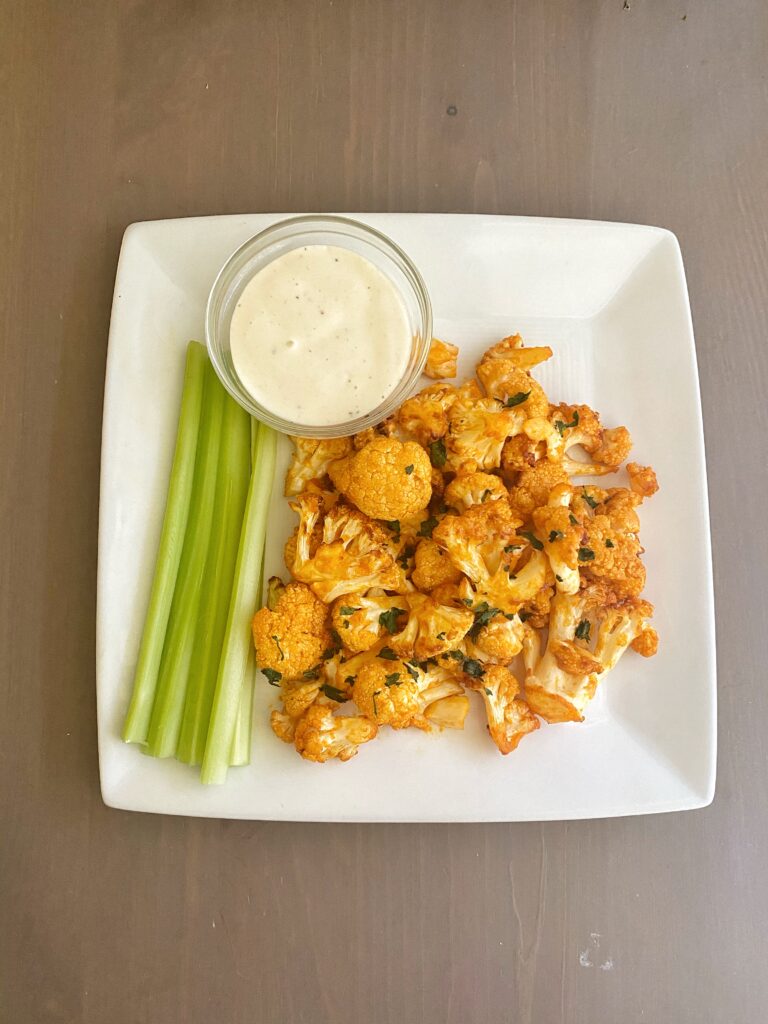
291, 633
509, 716
387, 479
319, 735
442, 358
432, 567
310, 461
361, 619
431, 628
468, 489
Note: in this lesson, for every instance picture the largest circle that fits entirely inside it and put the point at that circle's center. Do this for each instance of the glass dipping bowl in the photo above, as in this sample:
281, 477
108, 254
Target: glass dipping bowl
280, 238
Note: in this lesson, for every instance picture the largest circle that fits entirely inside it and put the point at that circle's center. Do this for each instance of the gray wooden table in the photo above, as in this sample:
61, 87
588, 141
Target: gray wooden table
654, 111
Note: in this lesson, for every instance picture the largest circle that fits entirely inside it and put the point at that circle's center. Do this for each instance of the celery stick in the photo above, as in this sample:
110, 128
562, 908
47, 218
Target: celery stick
254, 440
165, 723
240, 753
232, 481
170, 548
245, 596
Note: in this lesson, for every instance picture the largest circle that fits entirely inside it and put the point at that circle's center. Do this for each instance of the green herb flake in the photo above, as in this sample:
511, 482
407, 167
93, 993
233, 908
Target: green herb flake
524, 616
333, 693
350, 680
558, 578
426, 528
489, 692
483, 615
589, 500
555, 535
561, 427
609, 543
456, 655
388, 619
347, 610
586, 554
387, 654
393, 680
467, 601
280, 649
438, 454
532, 540
409, 469
573, 520
518, 399
374, 695
393, 525
311, 673
441, 635
273, 676
485, 496
412, 671
582, 630
512, 547
473, 668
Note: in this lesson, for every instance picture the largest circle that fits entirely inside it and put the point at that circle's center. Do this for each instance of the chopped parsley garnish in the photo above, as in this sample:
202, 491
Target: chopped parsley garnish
273, 676
456, 655
333, 693
311, 673
484, 497
473, 668
347, 610
573, 520
337, 640
374, 695
586, 554
389, 618
582, 630
328, 653
558, 578
441, 635
407, 554
280, 649
524, 616
512, 547
489, 692
555, 535
387, 654
532, 540
589, 500
467, 601
483, 615
409, 469
412, 671
518, 399
393, 680
426, 528
609, 543
393, 525
561, 427
438, 454
350, 680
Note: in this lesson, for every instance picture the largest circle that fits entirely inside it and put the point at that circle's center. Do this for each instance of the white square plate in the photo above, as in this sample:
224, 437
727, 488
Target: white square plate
611, 300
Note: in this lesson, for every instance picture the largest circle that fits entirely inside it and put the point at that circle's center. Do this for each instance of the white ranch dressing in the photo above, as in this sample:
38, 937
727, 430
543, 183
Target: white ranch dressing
320, 336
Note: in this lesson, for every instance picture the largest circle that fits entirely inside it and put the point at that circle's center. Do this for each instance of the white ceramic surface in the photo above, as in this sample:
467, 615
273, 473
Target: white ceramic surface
612, 302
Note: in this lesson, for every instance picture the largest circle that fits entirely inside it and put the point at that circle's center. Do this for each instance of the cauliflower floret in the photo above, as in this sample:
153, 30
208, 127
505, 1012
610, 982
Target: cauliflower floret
311, 458
611, 552
448, 712
513, 386
561, 534
554, 693
290, 634
495, 637
642, 479
431, 628
509, 716
442, 358
441, 698
387, 479
387, 693
646, 643
362, 619
423, 417
512, 350
433, 567
535, 611
542, 433
477, 430
354, 555
320, 735
580, 425
476, 539
620, 627
473, 489
533, 486
510, 588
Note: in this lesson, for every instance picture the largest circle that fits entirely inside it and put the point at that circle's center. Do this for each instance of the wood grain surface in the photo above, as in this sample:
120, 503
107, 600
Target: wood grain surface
652, 111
